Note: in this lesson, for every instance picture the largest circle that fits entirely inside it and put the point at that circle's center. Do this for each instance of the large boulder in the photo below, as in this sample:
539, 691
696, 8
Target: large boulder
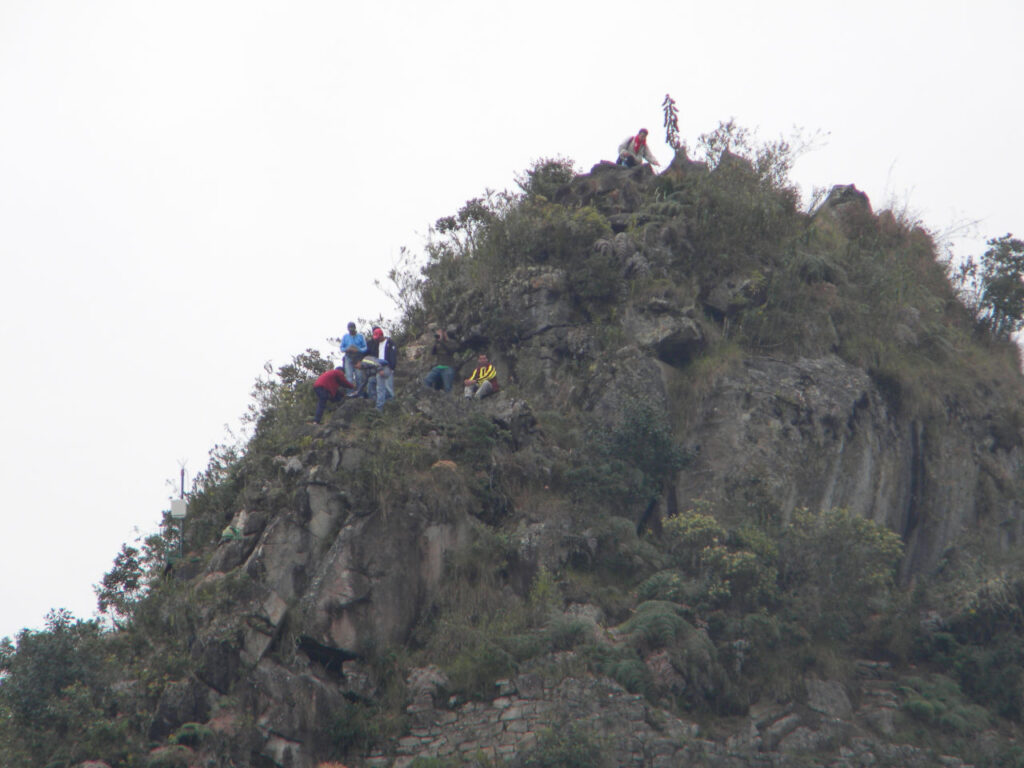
849, 208
381, 568
296, 712
671, 335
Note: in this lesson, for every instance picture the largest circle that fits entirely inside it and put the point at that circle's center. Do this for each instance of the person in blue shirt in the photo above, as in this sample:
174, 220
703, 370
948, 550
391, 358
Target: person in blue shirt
353, 347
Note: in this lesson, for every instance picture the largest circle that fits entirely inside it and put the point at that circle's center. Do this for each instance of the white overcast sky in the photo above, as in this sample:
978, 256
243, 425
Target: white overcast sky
190, 189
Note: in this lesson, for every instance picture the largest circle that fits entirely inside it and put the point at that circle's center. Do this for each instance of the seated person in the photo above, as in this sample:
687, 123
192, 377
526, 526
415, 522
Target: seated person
442, 375
483, 381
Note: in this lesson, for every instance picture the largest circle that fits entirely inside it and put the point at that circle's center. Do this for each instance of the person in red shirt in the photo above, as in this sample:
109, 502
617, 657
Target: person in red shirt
326, 387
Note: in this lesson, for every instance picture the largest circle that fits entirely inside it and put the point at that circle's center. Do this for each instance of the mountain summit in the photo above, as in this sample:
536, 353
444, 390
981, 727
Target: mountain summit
749, 494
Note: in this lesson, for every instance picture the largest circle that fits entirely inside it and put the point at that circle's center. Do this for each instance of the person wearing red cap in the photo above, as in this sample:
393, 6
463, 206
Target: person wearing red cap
382, 356
634, 150
326, 387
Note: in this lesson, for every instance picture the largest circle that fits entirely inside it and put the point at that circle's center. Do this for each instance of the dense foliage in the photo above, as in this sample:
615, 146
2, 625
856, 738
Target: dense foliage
993, 286
57, 699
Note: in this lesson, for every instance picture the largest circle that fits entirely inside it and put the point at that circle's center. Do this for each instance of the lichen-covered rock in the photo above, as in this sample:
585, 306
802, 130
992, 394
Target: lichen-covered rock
294, 709
377, 573
828, 697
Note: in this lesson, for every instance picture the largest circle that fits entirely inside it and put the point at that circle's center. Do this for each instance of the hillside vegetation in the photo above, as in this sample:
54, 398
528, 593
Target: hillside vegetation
752, 480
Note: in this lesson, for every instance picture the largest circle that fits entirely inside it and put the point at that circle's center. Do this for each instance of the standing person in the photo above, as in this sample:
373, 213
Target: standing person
353, 347
387, 354
483, 381
326, 387
442, 375
634, 150
373, 342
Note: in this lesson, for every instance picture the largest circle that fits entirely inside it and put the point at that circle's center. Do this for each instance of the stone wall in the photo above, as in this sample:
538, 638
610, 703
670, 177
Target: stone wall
516, 720
828, 728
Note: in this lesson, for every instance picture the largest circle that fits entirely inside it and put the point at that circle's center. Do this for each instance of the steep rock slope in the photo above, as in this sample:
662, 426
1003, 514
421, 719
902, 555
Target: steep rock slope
356, 549
743, 500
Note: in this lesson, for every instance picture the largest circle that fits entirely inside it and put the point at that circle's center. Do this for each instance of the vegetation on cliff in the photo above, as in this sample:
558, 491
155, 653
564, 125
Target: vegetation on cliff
581, 556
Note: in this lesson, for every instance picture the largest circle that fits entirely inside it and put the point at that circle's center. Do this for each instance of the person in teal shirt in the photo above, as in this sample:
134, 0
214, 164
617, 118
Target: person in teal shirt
353, 347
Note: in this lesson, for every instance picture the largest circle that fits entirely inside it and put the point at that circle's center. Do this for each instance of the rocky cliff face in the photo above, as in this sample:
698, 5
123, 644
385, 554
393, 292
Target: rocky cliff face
811, 431
818, 433
351, 537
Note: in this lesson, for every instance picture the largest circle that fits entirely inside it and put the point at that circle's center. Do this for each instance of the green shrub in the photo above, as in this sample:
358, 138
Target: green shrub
737, 573
835, 567
473, 439
469, 254
631, 462
527, 645
664, 585
191, 734
570, 746
986, 609
546, 176
356, 727
560, 634
543, 590
566, 633
170, 757
984, 656
937, 700
732, 566
689, 533
474, 671
656, 624
736, 221
283, 399
643, 438
622, 665
56, 683
620, 553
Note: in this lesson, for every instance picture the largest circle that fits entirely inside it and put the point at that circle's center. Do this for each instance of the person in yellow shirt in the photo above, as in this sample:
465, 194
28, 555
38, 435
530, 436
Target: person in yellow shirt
483, 381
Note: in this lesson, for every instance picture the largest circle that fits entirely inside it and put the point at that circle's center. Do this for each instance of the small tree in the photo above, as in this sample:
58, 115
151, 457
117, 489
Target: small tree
993, 288
46, 662
545, 176
135, 571
277, 393
122, 586
772, 161
835, 566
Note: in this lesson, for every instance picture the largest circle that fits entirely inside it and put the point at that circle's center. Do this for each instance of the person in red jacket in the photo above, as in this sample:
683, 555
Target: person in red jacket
326, 387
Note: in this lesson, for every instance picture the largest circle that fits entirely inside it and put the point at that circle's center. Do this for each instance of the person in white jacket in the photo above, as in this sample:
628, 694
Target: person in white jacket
634, 150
